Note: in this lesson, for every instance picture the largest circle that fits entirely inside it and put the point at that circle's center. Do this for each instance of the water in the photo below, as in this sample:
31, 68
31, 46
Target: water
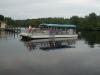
30, 58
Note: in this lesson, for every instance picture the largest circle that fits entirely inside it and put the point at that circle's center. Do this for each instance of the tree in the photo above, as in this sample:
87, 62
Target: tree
75, 20
9, 21
91, 21
1, 18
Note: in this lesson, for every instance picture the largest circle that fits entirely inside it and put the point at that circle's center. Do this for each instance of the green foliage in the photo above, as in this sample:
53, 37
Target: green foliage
75, 20
89, 22
9, 21
1, 18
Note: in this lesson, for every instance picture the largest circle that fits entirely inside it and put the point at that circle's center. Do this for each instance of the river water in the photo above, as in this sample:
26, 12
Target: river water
51, 57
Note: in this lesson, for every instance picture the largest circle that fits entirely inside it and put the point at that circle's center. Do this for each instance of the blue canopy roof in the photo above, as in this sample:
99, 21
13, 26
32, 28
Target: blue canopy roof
60, 25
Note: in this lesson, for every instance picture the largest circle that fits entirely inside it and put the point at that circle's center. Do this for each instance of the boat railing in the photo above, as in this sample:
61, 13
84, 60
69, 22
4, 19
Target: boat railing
51, 33
47, 32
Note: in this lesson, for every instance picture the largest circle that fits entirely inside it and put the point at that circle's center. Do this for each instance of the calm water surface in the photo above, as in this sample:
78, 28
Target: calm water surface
29, 58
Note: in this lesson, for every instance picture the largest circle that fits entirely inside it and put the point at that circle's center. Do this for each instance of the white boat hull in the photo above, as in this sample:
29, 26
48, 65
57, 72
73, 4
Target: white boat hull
31, 36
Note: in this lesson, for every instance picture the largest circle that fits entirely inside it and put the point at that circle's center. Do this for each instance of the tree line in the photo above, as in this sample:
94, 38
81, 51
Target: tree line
89, 22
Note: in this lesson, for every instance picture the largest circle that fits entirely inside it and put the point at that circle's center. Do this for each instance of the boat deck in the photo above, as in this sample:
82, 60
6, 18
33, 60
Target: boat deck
46, 36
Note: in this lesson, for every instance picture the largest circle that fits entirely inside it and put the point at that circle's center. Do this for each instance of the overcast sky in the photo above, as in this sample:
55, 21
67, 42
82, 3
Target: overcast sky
23, 9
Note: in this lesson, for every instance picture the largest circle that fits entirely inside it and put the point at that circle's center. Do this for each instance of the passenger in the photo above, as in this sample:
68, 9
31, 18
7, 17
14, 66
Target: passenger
50, 31
30, 29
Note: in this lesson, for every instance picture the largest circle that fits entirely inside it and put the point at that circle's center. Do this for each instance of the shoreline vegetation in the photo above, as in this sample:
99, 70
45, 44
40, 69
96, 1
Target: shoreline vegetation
89, 22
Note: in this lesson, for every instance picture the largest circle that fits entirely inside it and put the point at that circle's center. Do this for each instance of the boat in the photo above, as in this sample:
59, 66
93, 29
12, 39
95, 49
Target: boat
47, 31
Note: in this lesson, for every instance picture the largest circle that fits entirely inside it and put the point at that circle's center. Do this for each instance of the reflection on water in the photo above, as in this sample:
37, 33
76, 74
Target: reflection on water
50, 56
50, 44
7, 35
91, 38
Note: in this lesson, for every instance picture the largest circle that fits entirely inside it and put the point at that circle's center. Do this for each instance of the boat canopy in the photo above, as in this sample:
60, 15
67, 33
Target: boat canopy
59, 25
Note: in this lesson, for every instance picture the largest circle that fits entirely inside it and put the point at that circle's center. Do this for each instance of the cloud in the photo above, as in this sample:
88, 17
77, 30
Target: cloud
1, 9
21, 9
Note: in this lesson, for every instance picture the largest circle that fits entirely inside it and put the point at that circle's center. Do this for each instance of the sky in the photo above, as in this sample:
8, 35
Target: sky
27, 9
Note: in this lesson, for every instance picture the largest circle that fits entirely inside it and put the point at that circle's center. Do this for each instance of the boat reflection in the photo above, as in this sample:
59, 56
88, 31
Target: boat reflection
50, 44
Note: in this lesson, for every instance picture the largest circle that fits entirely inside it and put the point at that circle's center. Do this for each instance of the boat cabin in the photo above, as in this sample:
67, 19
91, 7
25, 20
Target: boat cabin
59, 29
